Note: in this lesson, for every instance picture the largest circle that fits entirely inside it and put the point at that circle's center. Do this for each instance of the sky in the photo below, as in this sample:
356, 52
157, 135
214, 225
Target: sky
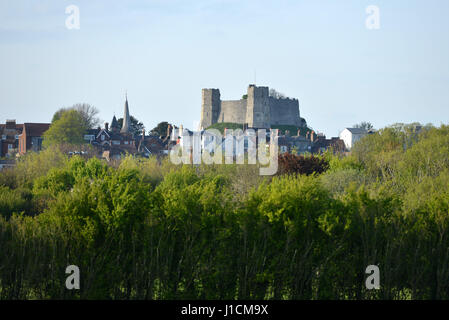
163, 52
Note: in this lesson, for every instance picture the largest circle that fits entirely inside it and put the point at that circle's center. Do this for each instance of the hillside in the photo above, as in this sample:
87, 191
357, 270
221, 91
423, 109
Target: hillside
221, 126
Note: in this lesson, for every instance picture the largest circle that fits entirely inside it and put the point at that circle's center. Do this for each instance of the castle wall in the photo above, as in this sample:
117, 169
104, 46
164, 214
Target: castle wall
210, 107
284, 111
259, 110
233, 111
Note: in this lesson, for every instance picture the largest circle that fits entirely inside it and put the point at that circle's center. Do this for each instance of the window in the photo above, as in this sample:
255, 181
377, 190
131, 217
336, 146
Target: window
3, 136
126, 142
102, 137
10, 146
17, 137
115, 142
89, 137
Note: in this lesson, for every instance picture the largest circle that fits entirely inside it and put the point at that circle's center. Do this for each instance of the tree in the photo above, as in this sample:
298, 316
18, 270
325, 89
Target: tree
273, 93
160, 129
68, 127
136, 127
364, 125
291, 164
88, 112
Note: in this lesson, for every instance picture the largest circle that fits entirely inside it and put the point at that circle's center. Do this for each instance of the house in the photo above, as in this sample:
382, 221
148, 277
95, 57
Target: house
294, 144
351, 135
113, 142
31, 137
110, 143
9, 133
151, 145
322, 144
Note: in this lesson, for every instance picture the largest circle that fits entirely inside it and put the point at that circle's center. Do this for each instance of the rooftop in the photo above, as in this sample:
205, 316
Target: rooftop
356, 130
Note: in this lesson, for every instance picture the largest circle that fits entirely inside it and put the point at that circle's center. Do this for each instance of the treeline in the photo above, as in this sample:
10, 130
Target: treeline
140, 229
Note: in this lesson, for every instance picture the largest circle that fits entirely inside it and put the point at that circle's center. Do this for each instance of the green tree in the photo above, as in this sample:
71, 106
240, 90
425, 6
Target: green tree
68, 128
88, 112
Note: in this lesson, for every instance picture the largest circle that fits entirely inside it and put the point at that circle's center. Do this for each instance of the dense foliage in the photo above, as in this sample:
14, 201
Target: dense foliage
149, 230
68, 127
300, 164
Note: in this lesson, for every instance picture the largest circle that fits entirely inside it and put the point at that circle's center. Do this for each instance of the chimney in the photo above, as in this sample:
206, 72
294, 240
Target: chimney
299, 132
311, 136
106, 126
181, 130
168, 130
10, 124
143, 134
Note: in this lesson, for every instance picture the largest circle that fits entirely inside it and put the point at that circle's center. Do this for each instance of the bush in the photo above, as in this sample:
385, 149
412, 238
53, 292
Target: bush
300, 164
15, 201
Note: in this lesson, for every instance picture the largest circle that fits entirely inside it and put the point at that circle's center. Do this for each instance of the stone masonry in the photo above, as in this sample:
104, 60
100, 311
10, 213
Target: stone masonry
258, 110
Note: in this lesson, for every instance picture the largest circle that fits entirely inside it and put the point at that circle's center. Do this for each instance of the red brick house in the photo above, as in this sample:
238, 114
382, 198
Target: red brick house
9, 134
31, 137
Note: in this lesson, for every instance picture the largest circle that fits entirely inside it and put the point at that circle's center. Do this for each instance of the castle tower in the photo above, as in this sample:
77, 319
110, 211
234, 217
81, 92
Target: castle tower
210, 107
258, 107
126, 119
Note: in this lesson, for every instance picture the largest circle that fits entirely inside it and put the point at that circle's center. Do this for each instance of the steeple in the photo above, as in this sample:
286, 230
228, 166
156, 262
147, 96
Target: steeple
126, 119
115, 125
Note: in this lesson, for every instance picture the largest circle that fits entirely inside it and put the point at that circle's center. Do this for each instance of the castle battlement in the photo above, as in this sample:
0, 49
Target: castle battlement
258, 110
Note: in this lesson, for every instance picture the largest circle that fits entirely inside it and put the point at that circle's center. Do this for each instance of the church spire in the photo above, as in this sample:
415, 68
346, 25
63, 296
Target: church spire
126, 119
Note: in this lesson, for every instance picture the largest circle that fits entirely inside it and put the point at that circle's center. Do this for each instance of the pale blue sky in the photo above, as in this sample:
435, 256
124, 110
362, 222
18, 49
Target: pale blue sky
164, 51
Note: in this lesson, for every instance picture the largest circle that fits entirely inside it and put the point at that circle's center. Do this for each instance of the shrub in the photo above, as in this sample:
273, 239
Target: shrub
300, 164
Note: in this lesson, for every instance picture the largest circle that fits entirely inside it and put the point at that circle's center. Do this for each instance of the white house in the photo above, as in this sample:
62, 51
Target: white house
351, 136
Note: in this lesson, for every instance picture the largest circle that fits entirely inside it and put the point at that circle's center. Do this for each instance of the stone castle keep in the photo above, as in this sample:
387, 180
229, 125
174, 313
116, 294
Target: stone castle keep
258, 110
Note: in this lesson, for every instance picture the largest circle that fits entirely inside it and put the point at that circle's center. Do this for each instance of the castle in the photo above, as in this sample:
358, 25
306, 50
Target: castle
255, 110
